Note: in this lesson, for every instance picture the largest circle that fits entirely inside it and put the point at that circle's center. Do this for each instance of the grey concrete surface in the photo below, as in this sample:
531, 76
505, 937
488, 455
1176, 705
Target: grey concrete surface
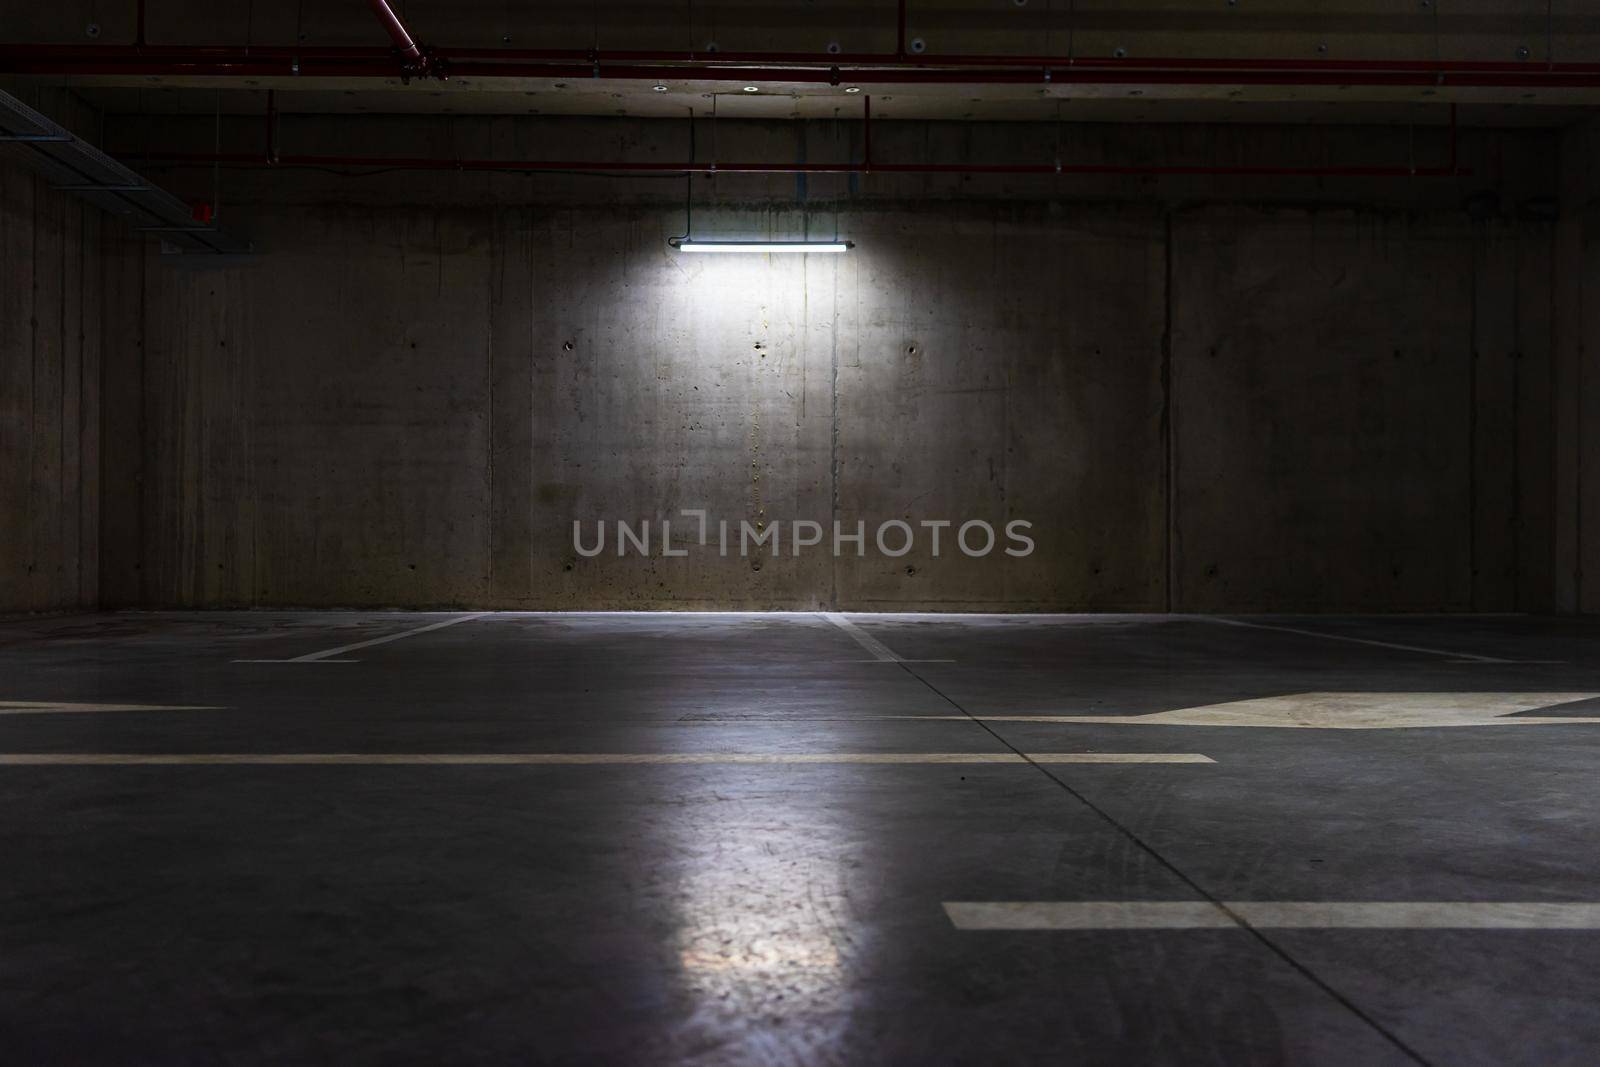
50, 345
781, 913
1206, 395
427, 379
1576, 259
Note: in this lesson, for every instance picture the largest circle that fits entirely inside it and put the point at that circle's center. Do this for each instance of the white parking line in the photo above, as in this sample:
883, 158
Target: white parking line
1272, 914
55, 707
1459, 657
137, 759
878, 649
327, 654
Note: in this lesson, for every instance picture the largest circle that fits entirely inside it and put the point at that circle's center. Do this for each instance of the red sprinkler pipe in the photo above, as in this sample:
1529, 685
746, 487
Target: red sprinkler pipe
1356, 67
802, 68
397, 30
415, 60
657, 167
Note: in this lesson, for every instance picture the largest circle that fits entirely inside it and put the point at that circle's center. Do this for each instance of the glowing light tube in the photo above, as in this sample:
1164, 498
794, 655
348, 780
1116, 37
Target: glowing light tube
762, 246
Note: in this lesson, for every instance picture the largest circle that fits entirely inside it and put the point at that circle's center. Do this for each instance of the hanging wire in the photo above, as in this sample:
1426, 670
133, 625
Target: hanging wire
802, 187
216, 163
688, 206
1058, 137
688, 186
838, 200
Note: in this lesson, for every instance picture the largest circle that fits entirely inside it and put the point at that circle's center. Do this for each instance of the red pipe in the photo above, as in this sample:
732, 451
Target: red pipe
872, 59
655, 167
844, 62
924, 76
415, 60
258, 67
402, 39
812, 69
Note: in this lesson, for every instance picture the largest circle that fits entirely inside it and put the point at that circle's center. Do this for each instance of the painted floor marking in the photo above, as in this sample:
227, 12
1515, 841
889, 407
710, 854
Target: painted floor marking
1339, 711
134, 759
327, 654
54, 707
1459, 657
878, 649
1272, 914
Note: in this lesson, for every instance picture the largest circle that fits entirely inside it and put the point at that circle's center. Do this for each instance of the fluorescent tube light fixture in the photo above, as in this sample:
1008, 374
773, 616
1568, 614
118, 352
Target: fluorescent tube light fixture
686, 245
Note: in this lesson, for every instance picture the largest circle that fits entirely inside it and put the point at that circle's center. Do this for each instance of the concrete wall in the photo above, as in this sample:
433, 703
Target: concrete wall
1361, 408
50, 332
1319, 396
1577, 386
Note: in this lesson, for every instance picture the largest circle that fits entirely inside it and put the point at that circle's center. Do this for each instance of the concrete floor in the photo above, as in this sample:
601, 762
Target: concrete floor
789, 906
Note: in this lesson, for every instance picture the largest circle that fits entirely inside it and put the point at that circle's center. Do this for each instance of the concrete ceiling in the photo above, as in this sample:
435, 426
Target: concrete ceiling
1558, 30
1511, 31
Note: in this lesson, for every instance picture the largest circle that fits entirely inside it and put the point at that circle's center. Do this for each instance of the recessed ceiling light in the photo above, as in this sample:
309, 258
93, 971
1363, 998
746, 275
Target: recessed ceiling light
752, 88
660, 88
852, 88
